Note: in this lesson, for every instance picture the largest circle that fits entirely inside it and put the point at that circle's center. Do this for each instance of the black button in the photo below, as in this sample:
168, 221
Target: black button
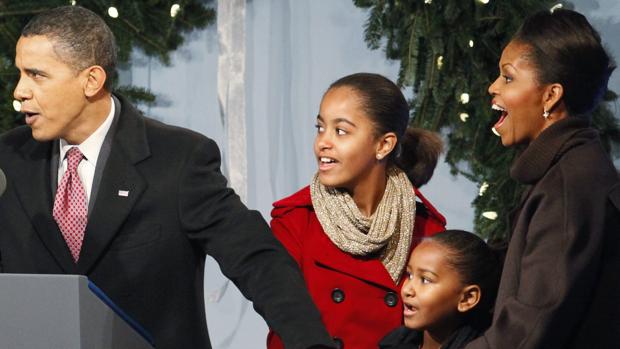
339, 343
390, 299
337, 295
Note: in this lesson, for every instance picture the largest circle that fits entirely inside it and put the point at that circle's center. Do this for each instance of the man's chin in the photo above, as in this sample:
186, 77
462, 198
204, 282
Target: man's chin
41, 136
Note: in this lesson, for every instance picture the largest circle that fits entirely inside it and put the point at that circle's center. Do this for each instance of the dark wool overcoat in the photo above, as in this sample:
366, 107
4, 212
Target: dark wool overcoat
161, 205
560, 286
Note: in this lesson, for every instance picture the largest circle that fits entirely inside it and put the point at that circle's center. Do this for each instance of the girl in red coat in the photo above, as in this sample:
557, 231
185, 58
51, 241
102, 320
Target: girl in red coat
352, 230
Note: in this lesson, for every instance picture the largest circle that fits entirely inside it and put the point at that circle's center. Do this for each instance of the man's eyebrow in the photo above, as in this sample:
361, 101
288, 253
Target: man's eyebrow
34, 71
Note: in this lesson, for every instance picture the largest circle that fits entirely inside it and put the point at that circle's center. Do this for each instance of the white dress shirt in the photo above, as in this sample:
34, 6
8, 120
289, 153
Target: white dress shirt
90, 149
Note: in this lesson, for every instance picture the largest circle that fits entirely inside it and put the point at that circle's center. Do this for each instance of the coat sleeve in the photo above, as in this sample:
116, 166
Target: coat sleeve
239, 239
556, 270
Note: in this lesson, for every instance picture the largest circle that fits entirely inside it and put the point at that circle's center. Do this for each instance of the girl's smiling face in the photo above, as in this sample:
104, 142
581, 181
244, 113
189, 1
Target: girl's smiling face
346, 143
519, 96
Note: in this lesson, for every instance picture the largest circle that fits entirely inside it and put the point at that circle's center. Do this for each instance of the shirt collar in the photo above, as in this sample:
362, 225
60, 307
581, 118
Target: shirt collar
91, 146
548, 147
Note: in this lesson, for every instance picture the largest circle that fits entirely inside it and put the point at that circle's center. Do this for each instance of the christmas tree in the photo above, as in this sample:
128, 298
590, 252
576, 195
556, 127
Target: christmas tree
449, 52
156, 27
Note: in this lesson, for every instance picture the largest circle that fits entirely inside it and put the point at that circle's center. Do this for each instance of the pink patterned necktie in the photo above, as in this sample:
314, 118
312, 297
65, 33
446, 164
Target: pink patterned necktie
70, 209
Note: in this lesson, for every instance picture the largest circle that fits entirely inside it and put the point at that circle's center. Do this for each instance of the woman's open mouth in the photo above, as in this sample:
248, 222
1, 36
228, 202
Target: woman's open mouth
502, 118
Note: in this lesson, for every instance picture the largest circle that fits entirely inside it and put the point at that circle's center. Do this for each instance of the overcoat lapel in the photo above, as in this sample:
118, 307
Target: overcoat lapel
329, 256
121, 186
34, 183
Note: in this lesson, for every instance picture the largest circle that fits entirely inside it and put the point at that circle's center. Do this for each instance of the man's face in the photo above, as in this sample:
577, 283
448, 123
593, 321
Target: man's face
51, 92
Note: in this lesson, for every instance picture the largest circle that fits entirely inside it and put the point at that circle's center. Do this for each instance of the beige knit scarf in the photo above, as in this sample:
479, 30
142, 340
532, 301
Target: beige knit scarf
387, 232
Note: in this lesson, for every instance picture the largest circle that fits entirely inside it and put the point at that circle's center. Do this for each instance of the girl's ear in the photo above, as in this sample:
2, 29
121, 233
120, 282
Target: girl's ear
386, 145
470, 296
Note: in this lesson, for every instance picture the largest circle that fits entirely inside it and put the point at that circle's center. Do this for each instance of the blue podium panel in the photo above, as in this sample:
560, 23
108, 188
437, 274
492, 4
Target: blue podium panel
62, 311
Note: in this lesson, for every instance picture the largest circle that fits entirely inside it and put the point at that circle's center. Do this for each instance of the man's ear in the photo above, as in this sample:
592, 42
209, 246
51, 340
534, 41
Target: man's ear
386, 145
470, 296
95, 78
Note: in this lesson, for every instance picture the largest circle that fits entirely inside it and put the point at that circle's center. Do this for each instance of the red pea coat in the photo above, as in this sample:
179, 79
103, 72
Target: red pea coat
358, 300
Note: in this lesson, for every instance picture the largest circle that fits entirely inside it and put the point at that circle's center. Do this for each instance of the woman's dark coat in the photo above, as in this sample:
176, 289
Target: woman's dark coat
560, 286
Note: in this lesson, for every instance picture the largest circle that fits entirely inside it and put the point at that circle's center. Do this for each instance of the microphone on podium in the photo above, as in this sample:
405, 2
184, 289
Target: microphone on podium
2, 182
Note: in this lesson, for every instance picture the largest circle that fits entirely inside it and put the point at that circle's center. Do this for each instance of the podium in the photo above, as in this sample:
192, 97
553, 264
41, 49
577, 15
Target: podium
63, 312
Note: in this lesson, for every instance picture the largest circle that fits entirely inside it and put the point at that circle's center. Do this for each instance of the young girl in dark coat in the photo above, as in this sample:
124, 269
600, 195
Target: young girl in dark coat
452, 280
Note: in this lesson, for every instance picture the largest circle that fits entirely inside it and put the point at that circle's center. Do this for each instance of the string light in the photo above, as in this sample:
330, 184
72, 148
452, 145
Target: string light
464, 98
17, 105
428, 1
471, 43
483, 188
174, 10
464, 116
556, 7
439, 62
112, 12
484, 2
73, 2
492, 215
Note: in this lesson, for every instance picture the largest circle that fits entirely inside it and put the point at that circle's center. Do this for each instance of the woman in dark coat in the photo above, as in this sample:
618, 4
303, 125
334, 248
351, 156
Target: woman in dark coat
351, 231
560, 283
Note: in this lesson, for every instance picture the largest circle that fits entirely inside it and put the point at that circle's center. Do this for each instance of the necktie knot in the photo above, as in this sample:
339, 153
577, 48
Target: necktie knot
74, 156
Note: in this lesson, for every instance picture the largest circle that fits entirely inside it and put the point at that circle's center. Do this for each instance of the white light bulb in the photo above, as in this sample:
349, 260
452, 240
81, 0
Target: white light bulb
439, 62
174, 10
483, 188
471, 43
464, 116
556, 7
17, 105
492, 215
73, 2
113, 12
465, 98
428, 1
484, 2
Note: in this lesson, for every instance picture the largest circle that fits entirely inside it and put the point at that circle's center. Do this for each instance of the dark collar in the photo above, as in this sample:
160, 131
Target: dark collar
550, 145
131, 131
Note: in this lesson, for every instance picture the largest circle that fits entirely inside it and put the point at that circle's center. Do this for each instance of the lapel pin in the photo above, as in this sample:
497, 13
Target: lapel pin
123, 193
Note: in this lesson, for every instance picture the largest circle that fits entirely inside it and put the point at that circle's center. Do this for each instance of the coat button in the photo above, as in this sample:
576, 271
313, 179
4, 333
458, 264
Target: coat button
339, 343
390, 299
337, 295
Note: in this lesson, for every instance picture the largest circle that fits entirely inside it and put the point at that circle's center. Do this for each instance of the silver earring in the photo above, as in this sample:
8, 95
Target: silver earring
379, 156
546, 114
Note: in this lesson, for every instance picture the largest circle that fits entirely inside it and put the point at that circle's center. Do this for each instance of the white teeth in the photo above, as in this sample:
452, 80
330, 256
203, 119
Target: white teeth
495, 131
327, 160
497, 107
